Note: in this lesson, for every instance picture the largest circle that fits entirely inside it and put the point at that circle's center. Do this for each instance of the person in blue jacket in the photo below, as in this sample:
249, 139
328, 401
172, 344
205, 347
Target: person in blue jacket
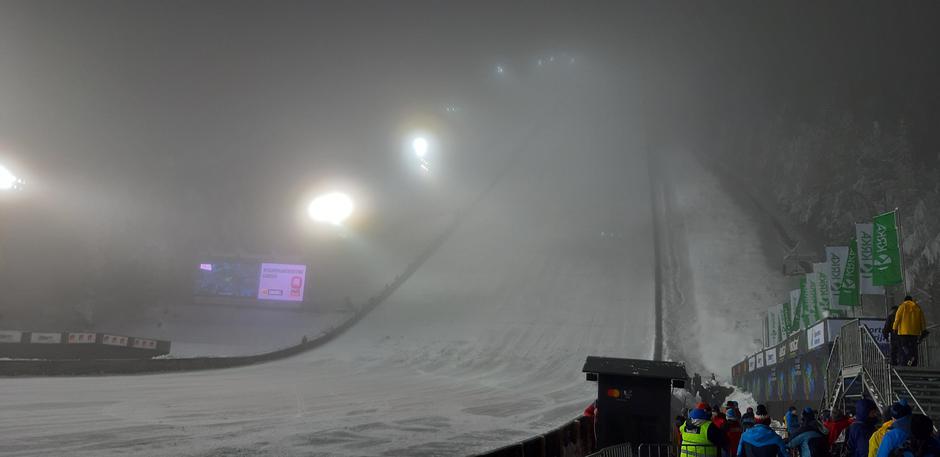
899, 432
910, 436
860, 432
792, 421
760, 440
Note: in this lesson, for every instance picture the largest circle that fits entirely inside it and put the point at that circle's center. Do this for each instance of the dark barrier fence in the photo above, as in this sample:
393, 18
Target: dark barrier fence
78, 345
574, 439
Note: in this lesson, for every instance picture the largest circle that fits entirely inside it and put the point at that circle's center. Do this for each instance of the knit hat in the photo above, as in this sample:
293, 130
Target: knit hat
703, 406
760, 414
731, 415
900, 409
700, 414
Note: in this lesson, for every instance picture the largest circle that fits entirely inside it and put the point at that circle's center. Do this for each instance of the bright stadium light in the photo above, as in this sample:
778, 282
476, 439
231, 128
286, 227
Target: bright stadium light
9, 181
420, 146
332, 208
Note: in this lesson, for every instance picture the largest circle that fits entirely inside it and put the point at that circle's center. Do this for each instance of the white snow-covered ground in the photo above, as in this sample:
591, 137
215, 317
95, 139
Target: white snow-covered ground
732, 264
482, 347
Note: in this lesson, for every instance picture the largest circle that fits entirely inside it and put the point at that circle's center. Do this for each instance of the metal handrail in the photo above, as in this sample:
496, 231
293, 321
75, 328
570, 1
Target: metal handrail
910, 395
833, 370
876, 366
851, 344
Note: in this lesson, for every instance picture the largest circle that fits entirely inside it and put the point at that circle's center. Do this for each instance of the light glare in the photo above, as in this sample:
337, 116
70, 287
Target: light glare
420, 146
332, 208
8, 180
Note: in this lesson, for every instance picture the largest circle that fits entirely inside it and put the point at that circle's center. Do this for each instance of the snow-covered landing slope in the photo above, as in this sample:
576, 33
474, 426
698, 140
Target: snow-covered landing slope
482, 347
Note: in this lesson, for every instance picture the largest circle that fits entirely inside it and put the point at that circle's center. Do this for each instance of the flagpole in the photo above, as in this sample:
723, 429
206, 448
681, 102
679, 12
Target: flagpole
897, 221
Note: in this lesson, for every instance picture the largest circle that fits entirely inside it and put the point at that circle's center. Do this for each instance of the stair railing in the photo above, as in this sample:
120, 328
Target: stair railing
875, 366
928, 348
833, 374
850, 347
910, 395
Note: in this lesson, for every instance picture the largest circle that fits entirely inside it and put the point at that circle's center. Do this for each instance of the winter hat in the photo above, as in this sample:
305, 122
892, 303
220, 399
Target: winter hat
731, 415
808, 414
760, 414
700, 414
900, 409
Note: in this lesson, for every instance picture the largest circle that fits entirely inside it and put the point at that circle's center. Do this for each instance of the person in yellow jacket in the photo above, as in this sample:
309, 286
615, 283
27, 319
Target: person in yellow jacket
909, 325
875, 441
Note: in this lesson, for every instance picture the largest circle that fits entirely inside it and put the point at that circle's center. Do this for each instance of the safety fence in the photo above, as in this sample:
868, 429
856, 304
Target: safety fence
658, 450
18, 344
574, 439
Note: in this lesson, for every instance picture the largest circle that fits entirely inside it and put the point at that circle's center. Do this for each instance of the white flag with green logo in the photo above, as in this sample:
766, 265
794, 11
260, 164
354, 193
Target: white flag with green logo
848, 292
822, 288
795, 321
866, 256
812, 313
774, 325
836, 257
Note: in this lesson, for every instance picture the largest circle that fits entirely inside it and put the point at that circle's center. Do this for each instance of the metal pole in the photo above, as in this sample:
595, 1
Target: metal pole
897, 223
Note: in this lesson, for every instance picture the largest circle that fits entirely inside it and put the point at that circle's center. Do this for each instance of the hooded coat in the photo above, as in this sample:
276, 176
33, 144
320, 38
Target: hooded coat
909, 319
896, 436
860, 432
810, 439
761, 441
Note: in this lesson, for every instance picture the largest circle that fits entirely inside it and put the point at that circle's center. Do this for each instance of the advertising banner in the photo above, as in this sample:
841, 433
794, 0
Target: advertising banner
795, 321
866, 257
770, 357
848, 290
836, 257
887, 252
81, 338
812, 313
816, 336
282, 282
775, 325
760, 360
45, 338
874, 326
10, 336
793, 346
143, 343
751, 363
823, 304
114, 340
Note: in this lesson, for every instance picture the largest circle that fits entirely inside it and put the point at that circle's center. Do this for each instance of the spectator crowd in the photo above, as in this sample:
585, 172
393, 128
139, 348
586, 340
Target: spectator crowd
713, 431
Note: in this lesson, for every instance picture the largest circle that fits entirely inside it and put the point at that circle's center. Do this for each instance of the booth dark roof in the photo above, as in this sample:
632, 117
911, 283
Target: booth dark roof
635, 368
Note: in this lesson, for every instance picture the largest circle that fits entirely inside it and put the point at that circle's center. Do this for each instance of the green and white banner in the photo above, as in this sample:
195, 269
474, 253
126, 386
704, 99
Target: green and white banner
793, 312
836, 257
811, 312
887, 252
866, 258
849, 291
775, 325
823, 292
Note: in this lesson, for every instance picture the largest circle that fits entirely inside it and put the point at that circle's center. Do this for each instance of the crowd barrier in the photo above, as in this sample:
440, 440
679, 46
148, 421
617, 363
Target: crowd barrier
16, 344
574, 439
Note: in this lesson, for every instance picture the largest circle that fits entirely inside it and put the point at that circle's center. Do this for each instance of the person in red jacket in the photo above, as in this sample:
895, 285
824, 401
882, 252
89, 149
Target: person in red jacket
836, 424
732, 429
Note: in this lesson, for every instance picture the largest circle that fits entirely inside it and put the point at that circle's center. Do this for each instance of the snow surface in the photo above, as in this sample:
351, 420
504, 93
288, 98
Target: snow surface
482, 347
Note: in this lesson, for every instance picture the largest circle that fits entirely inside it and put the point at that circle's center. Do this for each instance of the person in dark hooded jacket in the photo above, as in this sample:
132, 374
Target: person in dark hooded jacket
747, 419
858, 434
810, 437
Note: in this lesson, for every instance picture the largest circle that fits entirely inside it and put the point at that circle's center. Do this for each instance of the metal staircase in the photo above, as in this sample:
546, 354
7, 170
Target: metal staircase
857, 367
